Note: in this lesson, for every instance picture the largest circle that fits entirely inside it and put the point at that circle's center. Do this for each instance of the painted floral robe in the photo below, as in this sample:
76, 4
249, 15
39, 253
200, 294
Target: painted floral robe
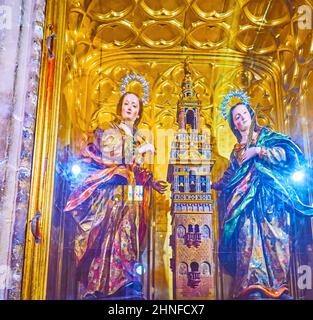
260, 205
110, 229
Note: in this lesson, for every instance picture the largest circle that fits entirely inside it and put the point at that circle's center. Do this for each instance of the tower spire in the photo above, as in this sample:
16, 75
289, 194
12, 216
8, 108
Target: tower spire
188, 107
189, 173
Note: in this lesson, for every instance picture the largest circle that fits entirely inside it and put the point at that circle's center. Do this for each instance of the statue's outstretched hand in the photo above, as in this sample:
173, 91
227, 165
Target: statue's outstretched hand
147, 147
159, 186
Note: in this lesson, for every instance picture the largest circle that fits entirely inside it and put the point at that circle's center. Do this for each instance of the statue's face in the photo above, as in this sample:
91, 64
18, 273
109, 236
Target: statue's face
241, 118
130, 108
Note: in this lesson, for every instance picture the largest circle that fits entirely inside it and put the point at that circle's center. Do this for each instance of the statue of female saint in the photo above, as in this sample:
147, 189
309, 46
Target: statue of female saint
260, 203
110, 206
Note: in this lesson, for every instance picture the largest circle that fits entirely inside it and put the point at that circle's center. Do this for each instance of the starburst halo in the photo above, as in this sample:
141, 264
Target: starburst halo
136, 77
233, 97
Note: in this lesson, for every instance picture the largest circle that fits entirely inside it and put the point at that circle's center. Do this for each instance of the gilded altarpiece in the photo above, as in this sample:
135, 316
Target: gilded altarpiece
230, 44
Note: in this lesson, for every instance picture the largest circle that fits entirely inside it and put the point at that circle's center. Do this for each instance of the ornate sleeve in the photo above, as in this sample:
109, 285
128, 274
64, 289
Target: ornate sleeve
227, 176
106, 148
274, 155
143, 176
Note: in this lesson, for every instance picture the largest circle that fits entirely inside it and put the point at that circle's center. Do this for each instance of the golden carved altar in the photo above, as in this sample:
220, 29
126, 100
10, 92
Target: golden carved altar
231, 44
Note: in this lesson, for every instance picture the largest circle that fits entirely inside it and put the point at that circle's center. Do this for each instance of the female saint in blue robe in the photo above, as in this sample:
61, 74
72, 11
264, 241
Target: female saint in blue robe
260, 205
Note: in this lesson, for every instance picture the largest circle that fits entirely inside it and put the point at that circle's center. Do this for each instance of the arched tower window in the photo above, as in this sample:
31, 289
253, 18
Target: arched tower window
190, 118
194, 266
206, 232
205, 269
181, 231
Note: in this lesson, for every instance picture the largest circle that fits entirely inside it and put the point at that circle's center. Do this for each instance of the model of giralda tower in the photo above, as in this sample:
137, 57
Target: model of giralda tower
192, 238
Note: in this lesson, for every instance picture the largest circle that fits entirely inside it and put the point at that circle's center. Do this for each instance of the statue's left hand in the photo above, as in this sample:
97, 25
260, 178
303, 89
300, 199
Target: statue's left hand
159, 186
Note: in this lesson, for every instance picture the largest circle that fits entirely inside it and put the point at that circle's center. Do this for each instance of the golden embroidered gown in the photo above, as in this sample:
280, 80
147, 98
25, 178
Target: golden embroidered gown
111, 224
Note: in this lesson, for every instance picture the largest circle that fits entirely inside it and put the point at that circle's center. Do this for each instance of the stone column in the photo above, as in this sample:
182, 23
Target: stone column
20, 54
